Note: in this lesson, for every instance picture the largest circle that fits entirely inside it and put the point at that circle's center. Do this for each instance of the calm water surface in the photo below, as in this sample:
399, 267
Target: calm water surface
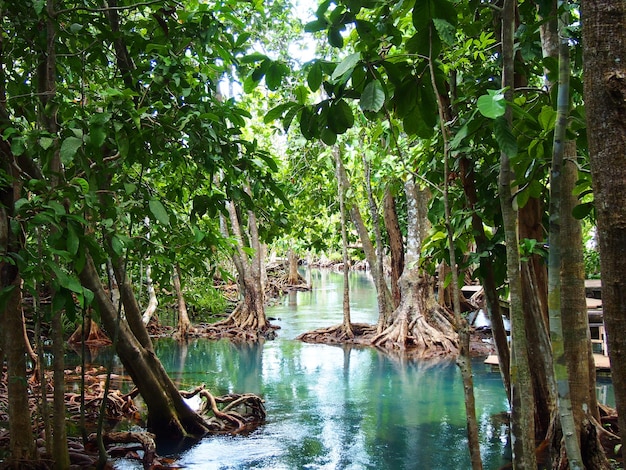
331, 407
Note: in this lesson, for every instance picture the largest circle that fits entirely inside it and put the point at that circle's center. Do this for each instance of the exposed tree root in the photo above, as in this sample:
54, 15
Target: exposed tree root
413, 332
359, 333
239, 413
228, 414
242, 325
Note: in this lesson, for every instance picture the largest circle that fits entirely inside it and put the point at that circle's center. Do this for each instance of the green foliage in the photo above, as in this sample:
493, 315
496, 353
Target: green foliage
591, 259
204, 301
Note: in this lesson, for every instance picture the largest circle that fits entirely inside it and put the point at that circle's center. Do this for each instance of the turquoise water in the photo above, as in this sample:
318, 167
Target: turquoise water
332, 407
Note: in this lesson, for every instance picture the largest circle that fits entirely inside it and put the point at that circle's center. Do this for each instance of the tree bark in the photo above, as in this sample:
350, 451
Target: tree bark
169, 417
487, 276
347, 323
604, 64
293, 278
396, 245
522, 400
153, 302
21, 443
383, 295
184, 325
419, 323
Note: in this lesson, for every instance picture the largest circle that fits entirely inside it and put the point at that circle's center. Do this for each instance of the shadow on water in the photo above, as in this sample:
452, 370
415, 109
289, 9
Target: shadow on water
334, 407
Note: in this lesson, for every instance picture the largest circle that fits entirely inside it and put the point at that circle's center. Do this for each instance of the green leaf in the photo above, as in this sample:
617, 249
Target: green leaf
81, 183
414, 124
328, 136
345, 68
72, 241
367, 30
254, 57
277, 112
582, 210
69, 147
335, 38
445, 10
302, 93
315, 76
159, 212
340, 117
97, 136
493, 104
547, 118
46, 142
422, 14
117, 245
373, 97
505, 138
317, 25
274, 75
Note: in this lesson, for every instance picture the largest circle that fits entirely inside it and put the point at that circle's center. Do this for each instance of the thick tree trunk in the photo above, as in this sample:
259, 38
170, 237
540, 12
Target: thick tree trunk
20, 428
12, 345
396, 245
250, 313
293, 279
419, 323
169, 417
604, 57
576, 338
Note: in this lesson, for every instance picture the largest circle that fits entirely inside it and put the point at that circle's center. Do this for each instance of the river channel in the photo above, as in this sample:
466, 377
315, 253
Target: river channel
332, 407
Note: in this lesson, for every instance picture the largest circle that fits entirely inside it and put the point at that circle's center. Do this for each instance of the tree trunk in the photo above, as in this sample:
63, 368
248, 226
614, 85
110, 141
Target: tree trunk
169, 417
571, 432
383, 295
250, 313
604, 58
184, 325
346, 324
522, 400
293, 278
487, 276
21, 443
576, 338
385, 301
419, 323
396, 245
153, 302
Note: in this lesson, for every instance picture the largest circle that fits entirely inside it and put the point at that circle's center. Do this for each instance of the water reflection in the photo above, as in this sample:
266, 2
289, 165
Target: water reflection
332, 407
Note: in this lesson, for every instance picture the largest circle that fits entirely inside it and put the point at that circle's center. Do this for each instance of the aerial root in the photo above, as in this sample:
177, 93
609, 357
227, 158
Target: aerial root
238, 413
357, 333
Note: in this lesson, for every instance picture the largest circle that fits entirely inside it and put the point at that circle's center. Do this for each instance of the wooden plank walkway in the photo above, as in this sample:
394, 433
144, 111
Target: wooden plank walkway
602, 362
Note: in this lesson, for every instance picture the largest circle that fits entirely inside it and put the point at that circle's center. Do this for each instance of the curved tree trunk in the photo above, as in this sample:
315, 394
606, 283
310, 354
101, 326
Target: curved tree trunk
169, 417
487, 276
249, 315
